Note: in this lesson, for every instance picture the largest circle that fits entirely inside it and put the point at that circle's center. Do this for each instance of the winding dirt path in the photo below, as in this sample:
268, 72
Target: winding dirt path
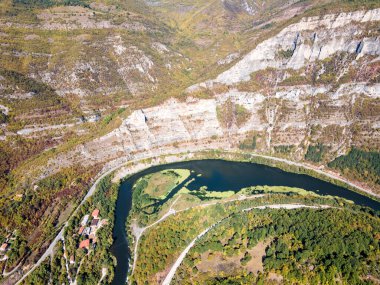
49, 251
138, 232
183, 254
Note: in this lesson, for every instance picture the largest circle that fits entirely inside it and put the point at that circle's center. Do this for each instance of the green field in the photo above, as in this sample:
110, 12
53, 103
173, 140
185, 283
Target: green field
160, 184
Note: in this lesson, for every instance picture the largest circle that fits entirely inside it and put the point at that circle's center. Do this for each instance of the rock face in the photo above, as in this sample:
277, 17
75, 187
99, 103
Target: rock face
280, 114
292, 116
309, 40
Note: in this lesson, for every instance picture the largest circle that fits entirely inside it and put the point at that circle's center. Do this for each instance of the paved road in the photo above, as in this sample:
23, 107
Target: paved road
183, 254
139, 231
59, 236
47, 253
93, 188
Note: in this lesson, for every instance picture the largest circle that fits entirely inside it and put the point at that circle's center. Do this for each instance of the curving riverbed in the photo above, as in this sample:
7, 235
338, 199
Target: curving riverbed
218, 175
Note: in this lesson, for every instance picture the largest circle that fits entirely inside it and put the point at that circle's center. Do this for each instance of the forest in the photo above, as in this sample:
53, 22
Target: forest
160, 246
315, 153
301, 248
89, 264
24, 211
359, 164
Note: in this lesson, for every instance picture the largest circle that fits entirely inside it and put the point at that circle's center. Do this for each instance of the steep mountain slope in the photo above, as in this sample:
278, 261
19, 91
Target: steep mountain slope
86, 86
66, 64
326, 101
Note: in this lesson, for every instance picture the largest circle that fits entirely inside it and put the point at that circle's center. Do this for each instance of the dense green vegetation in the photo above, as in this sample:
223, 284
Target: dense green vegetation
88, 265
315, 153
249, 144
362, 165
151, 191
40, 274
203, 194
302, 247
28, 84
277, 189
286, 53
17, 248
284, 149
38, 209
42, 104
48, 203
160, 246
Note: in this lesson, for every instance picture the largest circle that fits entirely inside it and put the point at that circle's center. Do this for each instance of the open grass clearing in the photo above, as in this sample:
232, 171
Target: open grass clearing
160, 184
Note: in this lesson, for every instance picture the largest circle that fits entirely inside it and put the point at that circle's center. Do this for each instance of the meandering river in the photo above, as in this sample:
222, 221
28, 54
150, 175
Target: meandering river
218, 175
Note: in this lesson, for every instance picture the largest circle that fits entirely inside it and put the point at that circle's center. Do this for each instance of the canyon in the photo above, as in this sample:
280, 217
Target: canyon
338, 115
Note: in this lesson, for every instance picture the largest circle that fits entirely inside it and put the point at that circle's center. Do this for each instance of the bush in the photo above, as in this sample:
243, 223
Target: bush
315, 153
286, 53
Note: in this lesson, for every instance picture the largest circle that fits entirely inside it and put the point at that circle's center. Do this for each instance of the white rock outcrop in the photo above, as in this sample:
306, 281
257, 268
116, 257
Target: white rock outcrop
311, 39
290, 116
284, 117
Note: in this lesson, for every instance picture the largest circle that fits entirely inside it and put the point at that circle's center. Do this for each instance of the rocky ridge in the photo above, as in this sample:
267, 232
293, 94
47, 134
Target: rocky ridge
309, 40
338, 116
277, 115
195, 122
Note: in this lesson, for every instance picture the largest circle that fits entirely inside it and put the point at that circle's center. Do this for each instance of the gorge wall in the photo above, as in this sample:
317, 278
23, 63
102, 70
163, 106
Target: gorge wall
338, 110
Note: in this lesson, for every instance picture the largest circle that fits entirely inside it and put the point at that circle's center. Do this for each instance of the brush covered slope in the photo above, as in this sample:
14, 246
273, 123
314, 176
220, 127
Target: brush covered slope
86, 86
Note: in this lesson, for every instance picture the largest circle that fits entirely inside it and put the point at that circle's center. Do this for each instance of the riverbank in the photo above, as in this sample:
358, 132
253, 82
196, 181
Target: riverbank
183, 254
335, 178
126, 169
238, 175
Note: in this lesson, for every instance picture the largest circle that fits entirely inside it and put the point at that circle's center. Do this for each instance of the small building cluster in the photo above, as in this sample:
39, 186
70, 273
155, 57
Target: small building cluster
88, 229
6, 246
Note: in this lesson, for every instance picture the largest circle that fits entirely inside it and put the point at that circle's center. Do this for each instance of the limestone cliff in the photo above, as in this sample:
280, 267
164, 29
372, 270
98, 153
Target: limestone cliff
338, 114
312, 39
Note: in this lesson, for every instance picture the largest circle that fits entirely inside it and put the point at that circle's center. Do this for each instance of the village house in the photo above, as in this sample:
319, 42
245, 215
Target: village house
94, 225
4, 247
95, 214
72, 259
85, 244
90, 231
81, 229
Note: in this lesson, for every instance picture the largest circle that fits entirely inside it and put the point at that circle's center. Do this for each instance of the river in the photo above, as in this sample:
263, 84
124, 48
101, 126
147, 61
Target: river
218, 175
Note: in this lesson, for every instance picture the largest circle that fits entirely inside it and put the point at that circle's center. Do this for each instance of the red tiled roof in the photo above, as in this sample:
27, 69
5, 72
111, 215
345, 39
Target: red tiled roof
95, 213
81, 229
84, 244
4, 246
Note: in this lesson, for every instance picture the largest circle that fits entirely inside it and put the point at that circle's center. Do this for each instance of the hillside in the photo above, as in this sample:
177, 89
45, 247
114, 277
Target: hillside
90, 86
